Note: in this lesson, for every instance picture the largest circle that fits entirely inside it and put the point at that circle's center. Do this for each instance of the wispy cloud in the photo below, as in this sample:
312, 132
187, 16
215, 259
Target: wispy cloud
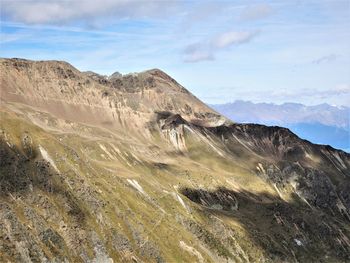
258, 11
306, 96
303, 45
63, 12
197, 52
74, 29
233, 38
7, 38
342, 89
207, 49
325, 59
310, 93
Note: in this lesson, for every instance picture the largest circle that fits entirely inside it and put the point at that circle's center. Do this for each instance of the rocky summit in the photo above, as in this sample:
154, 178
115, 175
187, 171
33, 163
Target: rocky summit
134, 168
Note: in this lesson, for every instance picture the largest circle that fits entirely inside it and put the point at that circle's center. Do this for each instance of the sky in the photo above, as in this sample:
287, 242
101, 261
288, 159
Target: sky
264, 51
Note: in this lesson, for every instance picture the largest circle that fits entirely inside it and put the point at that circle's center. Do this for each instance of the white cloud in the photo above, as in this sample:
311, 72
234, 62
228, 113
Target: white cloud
205, 50
233, 37
342, 89
258, 11
62, 12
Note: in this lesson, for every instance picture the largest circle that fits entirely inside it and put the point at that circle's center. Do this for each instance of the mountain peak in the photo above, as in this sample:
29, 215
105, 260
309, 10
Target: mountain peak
160, 74
80, 154
141, 94
21, 62
115, 75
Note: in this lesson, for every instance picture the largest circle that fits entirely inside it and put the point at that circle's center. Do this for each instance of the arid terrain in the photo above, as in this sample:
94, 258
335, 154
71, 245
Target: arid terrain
134, 168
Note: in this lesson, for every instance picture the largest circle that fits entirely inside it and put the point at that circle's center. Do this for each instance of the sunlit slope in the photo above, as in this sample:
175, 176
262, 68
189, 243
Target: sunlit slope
156, 183
128, 101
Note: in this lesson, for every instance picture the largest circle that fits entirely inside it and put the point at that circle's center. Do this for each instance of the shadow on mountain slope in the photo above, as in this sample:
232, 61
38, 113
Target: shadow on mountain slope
285, 231
34, 199
23, 172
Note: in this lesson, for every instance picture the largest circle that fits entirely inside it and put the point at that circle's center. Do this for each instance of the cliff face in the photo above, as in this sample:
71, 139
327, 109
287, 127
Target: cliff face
134, 168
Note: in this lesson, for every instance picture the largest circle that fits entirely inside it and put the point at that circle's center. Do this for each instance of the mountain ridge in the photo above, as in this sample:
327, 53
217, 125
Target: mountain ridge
137, 169
321, 124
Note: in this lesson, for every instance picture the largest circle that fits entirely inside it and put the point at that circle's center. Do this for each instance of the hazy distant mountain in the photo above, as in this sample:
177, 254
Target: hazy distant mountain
287, 113
323, 123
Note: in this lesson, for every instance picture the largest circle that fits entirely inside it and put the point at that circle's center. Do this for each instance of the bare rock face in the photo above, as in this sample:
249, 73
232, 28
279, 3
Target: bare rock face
115, 75
62, 90
134, 168
97, 77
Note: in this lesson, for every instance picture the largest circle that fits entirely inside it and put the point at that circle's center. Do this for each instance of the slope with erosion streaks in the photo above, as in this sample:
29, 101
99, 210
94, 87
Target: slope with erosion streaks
134, 168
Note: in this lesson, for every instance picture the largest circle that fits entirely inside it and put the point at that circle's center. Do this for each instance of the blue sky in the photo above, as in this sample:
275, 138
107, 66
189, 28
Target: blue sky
264, 51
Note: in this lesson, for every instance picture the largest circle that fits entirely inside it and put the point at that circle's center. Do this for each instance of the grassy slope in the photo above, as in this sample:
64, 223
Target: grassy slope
83, 161
89, 209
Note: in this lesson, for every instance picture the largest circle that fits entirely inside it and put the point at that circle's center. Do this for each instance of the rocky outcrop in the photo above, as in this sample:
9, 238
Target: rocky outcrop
134, 168
316, 173
267, 220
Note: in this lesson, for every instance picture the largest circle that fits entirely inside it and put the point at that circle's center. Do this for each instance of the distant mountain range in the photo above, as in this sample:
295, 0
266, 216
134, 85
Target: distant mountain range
322, 124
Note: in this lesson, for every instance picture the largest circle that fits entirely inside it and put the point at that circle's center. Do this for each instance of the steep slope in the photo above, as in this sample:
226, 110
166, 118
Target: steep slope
134, 168
62, 90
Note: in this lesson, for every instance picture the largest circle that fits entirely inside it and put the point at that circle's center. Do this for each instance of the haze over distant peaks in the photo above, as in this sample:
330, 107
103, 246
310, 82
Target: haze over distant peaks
286, 113
323, 123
